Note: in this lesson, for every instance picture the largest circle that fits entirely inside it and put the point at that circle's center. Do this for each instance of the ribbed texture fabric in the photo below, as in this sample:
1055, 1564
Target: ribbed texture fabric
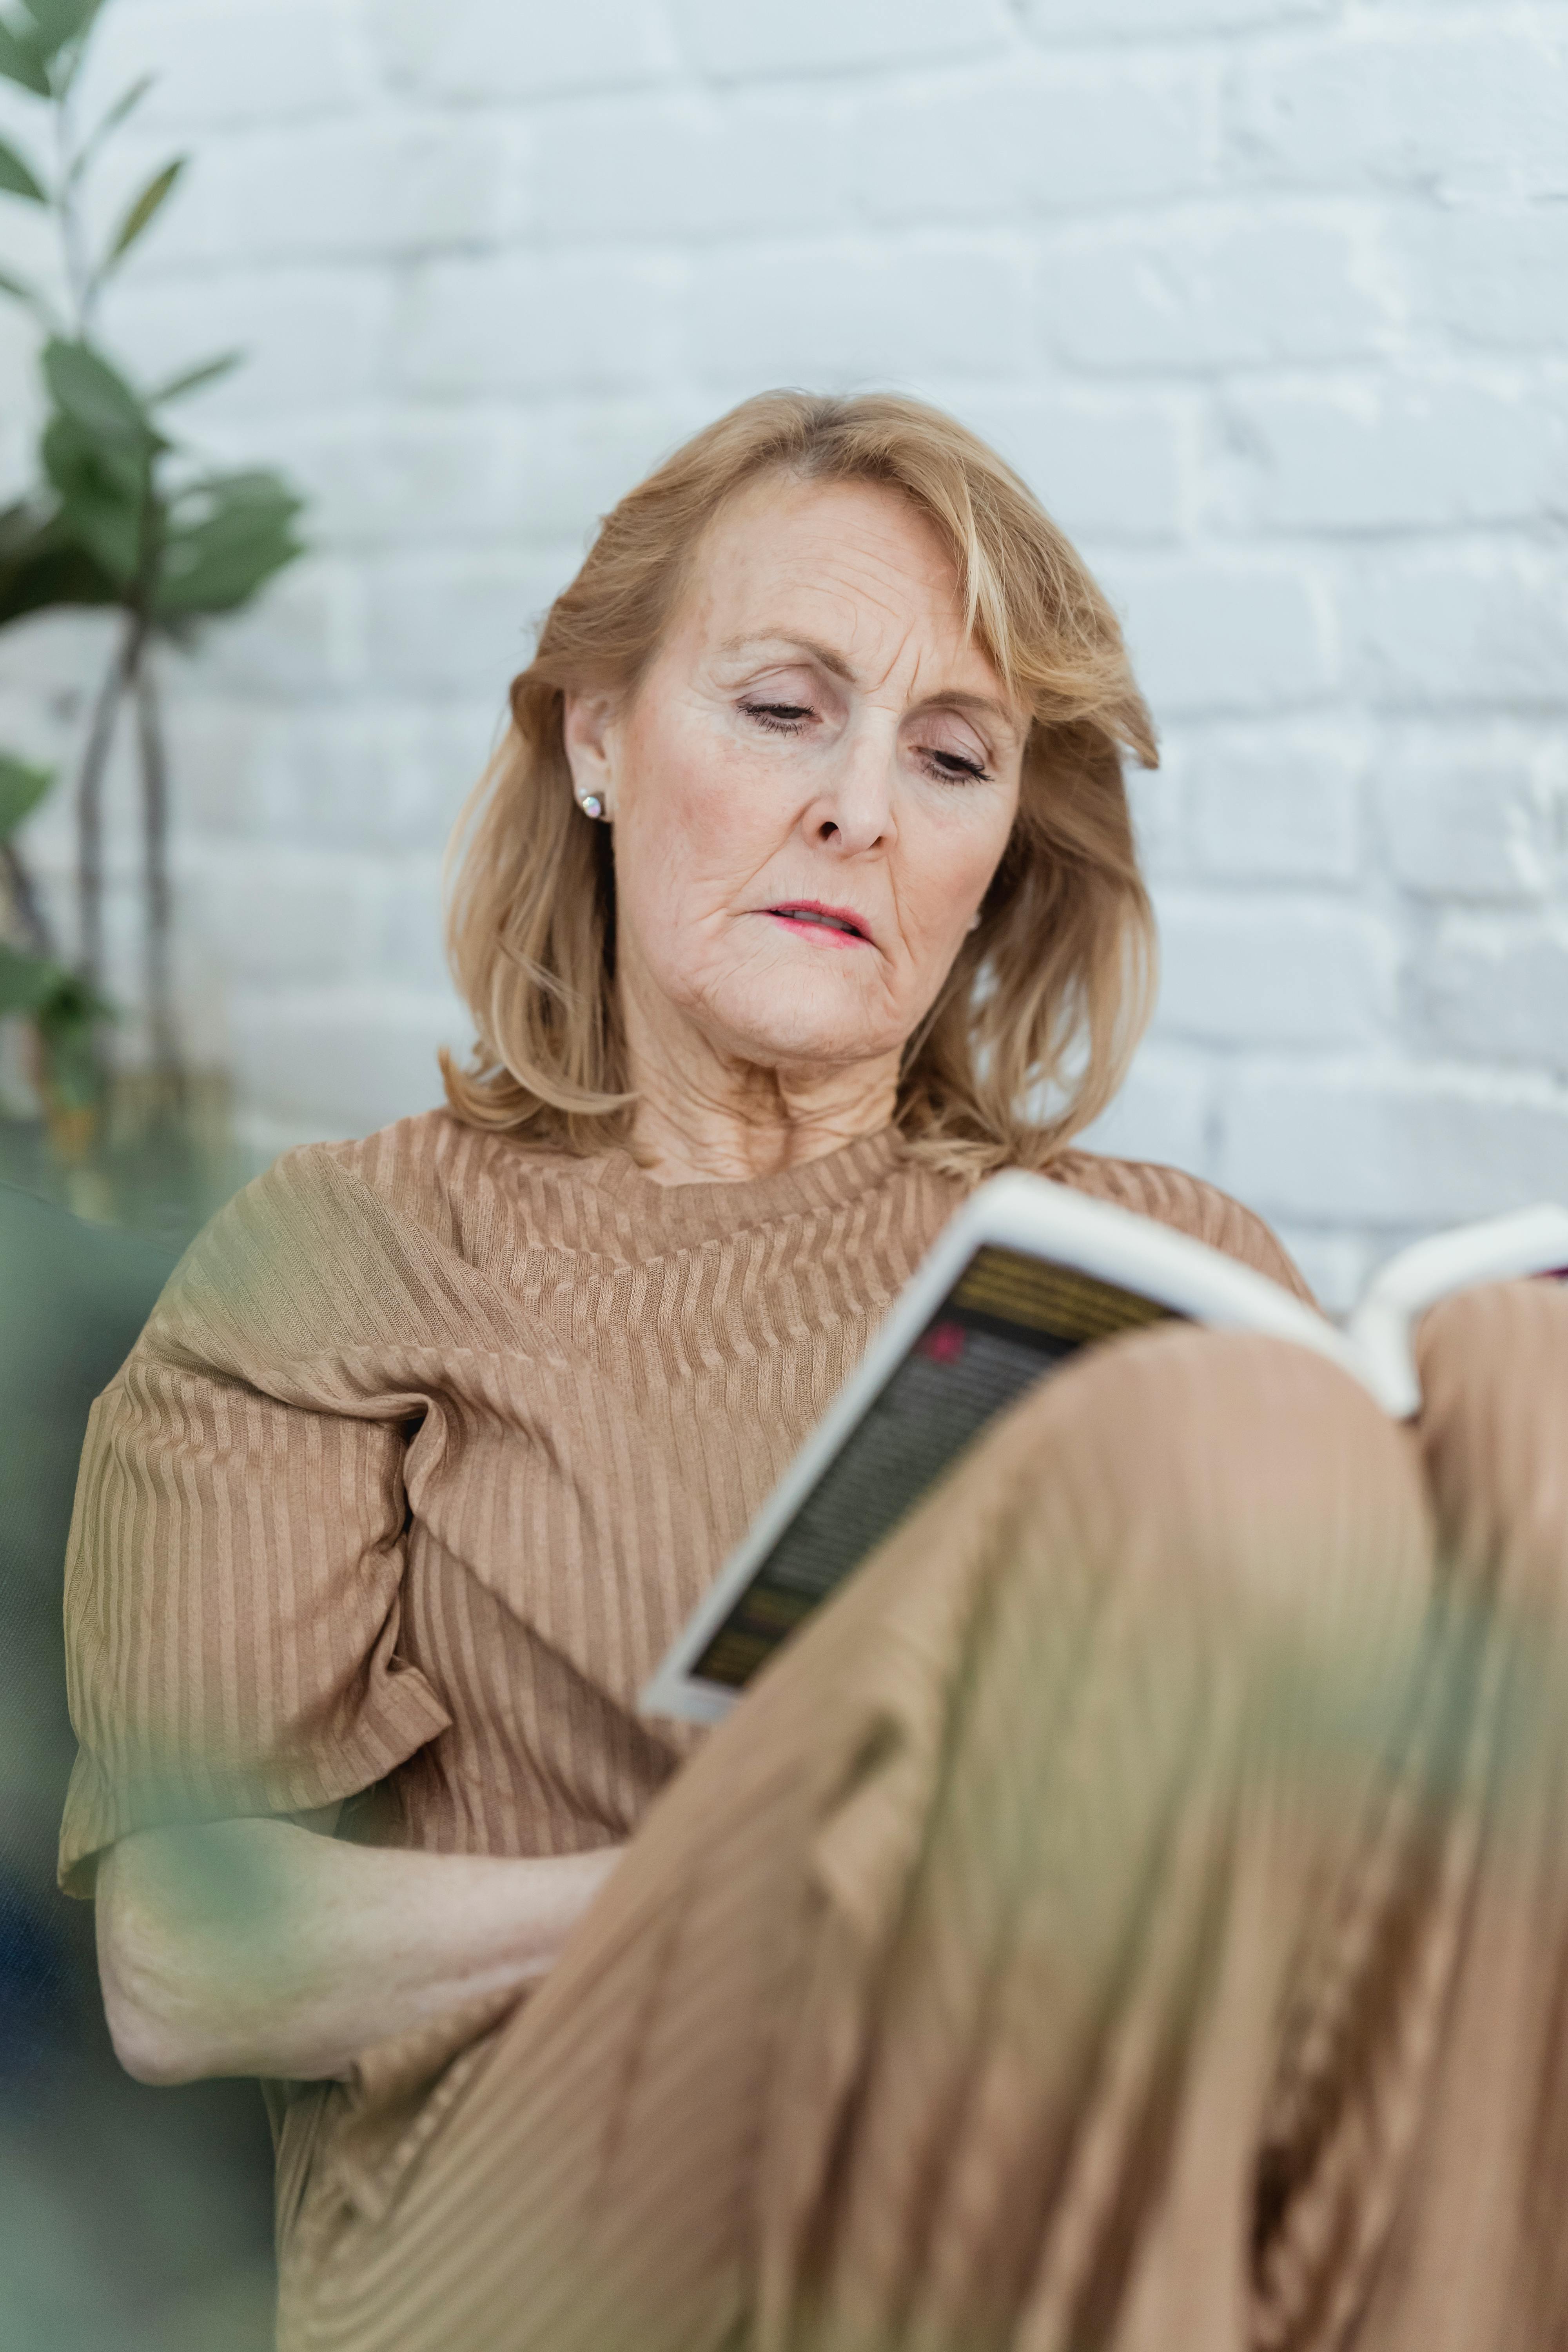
1130, 1916
430, 1447
428, 1450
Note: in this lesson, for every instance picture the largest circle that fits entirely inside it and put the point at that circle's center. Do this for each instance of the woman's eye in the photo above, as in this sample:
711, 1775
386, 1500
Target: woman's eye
952, 764
779, 718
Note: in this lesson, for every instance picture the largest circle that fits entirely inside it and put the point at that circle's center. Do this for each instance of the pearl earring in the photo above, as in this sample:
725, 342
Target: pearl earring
974, 922
592, 805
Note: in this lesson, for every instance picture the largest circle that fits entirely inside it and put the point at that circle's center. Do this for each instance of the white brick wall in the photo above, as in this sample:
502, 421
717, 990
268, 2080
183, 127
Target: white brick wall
1270, 298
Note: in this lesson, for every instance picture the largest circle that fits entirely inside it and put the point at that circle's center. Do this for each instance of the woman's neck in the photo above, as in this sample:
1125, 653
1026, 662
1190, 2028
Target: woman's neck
701, 1118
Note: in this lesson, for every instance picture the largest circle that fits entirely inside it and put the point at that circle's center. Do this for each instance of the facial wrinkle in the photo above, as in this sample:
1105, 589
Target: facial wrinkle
753, 1039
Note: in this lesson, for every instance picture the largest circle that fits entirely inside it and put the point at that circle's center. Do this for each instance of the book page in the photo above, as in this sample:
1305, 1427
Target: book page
1527, 1242
1007, 1321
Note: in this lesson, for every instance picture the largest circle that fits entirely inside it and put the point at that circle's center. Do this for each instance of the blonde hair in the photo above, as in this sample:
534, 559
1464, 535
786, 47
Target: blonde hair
1032, 1031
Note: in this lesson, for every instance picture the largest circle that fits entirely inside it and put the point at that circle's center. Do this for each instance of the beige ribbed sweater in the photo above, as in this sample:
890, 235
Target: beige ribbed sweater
429, 1448
427, 1451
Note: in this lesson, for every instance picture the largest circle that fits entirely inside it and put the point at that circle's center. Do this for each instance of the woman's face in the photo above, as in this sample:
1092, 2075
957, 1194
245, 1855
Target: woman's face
811, 789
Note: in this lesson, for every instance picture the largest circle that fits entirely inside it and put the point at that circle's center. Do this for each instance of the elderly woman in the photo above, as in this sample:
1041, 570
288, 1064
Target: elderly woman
1116, 1920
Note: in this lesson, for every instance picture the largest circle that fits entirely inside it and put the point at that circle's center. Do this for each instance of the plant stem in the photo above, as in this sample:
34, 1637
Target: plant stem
89, 803
25, 901
155, 838
78, 276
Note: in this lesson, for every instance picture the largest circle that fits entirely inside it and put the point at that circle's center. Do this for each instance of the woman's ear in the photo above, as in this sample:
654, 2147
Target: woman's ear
588, 729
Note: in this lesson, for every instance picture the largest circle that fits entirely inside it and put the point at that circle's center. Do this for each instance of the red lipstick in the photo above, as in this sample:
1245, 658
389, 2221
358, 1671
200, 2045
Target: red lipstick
830, 926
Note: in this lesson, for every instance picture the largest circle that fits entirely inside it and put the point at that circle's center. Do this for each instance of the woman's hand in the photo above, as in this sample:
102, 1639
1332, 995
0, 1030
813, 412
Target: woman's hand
258, 1947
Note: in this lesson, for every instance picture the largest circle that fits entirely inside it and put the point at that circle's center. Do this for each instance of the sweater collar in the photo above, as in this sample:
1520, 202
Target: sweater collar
674, 1216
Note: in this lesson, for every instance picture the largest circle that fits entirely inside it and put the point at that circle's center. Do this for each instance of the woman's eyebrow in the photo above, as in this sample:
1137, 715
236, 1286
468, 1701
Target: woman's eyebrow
823, 655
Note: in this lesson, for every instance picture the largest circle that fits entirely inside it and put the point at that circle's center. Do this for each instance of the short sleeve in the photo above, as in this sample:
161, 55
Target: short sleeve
234, 1580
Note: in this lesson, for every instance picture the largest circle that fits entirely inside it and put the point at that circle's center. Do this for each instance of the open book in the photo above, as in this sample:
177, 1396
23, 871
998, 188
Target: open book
1026, 1273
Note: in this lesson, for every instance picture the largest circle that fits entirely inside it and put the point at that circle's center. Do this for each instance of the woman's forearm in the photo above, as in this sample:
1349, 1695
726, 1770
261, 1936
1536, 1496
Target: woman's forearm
256, 1948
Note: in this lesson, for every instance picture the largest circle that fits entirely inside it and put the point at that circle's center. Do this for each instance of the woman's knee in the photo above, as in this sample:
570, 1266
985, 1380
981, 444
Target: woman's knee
1232, 1472
1493, 1365
1217, 1498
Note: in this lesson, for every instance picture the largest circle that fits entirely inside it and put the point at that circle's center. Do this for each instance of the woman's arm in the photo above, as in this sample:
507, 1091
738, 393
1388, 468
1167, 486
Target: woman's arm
257, 1947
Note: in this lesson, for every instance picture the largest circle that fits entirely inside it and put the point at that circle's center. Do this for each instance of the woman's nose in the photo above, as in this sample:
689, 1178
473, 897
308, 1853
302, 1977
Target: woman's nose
856, 811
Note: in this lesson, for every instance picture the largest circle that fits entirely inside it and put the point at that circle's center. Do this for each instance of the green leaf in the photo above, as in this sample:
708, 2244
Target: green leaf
43, 565
21, 291
125, 104
60, 21
70, 450
197, 379
203, 577
103, 496
21, 790
66, 1012
67, 1023
145, 209
84, 387
28, 982
17, 177
224, 539
20, 61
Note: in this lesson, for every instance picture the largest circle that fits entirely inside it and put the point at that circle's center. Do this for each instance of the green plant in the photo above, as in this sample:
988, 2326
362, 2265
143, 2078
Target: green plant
123, 518
64, 1009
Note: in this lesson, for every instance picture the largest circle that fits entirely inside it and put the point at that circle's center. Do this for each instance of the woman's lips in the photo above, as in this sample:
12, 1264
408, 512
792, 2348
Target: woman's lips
828, 926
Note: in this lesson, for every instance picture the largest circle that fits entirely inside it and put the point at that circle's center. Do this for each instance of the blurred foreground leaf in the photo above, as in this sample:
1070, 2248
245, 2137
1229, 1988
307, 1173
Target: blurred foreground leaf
17, 177
21, 789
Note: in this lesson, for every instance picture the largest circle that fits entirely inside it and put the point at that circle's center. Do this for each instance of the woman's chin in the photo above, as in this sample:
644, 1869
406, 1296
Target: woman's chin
802, 1035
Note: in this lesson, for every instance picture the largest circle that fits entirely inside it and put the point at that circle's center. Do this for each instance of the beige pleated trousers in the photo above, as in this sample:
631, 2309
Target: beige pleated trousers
1132, 1917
